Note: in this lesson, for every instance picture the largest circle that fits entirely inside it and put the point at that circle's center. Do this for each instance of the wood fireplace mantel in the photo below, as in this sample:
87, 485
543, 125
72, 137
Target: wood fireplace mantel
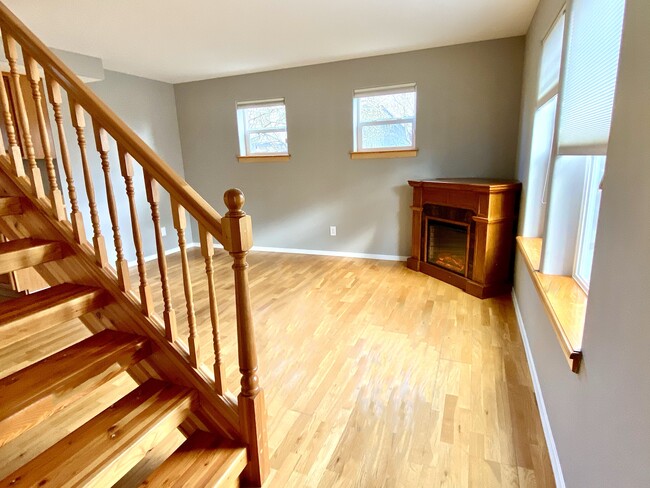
493, 206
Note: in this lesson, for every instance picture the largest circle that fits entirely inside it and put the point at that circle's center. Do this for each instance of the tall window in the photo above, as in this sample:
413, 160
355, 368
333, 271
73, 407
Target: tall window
585, 111
262, 128
544, 128
384, 118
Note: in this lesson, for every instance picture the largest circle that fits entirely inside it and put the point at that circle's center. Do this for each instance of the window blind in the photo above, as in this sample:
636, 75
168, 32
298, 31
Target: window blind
593, 45
386, 90
276, 102
549, 70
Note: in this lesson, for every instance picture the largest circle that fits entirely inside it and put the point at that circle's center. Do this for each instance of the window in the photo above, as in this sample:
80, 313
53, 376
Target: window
575, 99
544, 129
262, 128
384, 118
586, 101
589, 220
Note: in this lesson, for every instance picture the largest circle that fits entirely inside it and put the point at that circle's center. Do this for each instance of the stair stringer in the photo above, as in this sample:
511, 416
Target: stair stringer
170, 362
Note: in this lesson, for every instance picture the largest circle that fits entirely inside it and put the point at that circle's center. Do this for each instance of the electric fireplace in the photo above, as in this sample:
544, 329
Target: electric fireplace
464, 231
448, 243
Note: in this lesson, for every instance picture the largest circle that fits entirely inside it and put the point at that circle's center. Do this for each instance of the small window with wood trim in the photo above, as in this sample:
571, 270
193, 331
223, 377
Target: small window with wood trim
262, 129
384, 119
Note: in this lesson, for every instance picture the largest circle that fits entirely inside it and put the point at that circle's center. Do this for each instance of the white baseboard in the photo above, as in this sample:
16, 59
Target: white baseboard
192, 245
381, 257
546, 425
173, 250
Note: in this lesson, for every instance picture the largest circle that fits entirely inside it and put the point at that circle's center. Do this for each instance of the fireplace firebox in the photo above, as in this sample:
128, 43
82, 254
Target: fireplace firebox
463, 232
448, 245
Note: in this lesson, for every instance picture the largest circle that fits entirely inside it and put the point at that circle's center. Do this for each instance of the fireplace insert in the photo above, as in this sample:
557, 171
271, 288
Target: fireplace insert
448, 245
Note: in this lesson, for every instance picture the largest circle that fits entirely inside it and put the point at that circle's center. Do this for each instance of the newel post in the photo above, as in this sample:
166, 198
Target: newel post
237, 240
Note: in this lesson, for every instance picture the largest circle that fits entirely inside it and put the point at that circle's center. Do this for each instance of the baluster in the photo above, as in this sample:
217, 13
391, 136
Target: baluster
56, 197
237, 240
14, 148
126, 166
79, 123
180, 222
11, 52
169, 314
207, 249
54, 94
121, 265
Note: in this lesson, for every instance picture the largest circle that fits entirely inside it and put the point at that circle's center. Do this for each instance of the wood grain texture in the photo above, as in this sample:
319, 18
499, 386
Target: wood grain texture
10, 206
26, 400
203, 460
361, 361
25, 253
27, 315
107, 447
217, 413
565, 302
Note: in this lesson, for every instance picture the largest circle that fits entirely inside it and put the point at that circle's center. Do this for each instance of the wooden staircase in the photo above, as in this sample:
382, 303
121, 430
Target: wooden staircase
175, 393
108, 446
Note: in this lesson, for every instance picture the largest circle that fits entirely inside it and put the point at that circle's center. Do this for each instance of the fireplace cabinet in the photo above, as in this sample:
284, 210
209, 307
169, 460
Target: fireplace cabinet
464, 232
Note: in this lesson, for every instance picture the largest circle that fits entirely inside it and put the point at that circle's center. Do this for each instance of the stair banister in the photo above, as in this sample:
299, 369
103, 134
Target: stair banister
233, 231
100, 112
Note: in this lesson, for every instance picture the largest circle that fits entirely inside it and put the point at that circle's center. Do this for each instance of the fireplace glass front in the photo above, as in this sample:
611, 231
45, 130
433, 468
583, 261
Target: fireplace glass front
447, 245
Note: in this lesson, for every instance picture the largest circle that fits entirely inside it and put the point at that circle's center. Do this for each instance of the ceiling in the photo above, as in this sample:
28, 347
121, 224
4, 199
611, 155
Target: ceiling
176, 41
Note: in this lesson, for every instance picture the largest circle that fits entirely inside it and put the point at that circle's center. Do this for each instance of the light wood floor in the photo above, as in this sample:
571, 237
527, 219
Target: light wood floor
376, 376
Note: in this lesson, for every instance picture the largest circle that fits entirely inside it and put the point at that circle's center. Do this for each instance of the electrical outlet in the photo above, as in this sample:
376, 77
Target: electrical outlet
332, 230
163, 231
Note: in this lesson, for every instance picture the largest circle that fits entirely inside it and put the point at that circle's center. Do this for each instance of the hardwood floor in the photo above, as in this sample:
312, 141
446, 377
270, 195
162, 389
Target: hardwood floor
378, 376
375, 375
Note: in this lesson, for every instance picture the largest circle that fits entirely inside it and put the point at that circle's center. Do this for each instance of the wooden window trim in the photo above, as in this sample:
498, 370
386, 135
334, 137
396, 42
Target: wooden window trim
275, 158
390, 154
564, 300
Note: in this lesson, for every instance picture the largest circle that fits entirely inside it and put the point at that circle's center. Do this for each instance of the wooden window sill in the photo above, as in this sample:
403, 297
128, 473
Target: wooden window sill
564, 300
275, 158
400, 153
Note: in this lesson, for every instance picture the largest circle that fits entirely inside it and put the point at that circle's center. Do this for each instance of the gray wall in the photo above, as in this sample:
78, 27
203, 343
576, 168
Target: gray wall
149, 108
599, 418
467, 123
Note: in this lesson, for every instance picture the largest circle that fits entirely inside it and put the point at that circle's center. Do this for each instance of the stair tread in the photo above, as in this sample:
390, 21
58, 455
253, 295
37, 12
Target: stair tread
30, 314
106, 447
202, 460
26, 400
10, 206
25, 253
14, 309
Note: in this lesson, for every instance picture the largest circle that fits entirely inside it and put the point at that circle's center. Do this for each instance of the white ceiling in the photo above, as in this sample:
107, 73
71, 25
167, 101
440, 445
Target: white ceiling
177, 41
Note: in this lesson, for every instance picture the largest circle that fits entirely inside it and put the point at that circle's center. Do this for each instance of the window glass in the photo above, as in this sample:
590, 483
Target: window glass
262, 128
384, 118
589, 220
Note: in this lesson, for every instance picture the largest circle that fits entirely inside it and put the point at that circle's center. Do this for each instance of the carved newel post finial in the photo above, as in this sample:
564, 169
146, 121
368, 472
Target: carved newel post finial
234, 200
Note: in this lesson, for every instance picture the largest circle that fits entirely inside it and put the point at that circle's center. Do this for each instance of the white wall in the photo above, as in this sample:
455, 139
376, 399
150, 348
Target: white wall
599, 418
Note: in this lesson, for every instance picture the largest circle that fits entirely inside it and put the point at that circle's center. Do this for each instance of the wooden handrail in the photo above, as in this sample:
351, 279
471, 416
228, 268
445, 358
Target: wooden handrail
182, 192
233, 231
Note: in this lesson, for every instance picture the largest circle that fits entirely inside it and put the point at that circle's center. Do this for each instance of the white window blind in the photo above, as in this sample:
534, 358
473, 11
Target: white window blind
387, 90
593, 45
549, 70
